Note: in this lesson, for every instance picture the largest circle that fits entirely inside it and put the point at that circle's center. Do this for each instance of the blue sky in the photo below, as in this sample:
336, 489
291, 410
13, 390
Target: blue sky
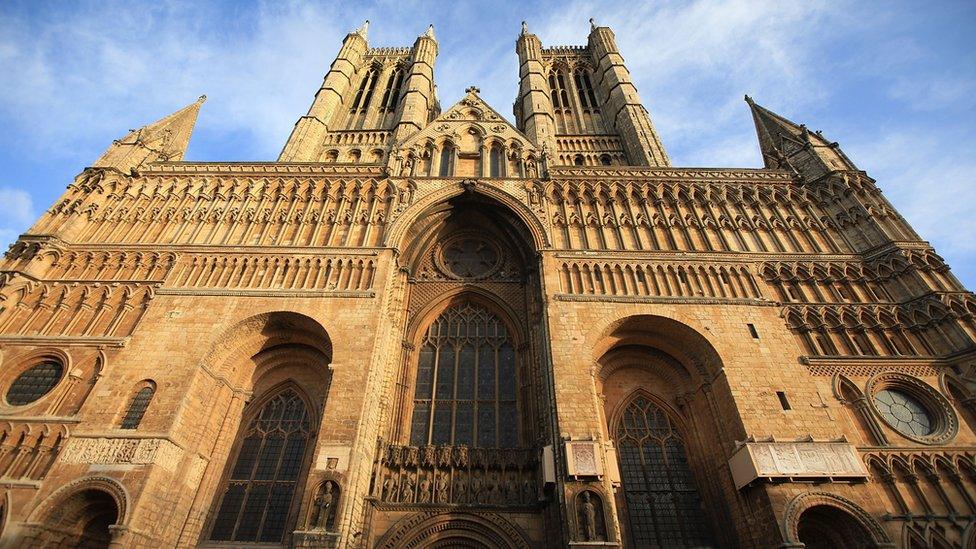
894, 83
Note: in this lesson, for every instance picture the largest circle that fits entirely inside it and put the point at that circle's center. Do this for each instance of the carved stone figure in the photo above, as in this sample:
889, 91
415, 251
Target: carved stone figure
425, 490
323, 505
389, 489
442, 482
406, 495
588, 513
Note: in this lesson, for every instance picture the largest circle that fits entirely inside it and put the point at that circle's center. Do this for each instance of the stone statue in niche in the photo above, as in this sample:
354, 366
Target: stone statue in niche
325, 505
425, 490
406, 496
442, 488
460, 489
389, 489
589, 512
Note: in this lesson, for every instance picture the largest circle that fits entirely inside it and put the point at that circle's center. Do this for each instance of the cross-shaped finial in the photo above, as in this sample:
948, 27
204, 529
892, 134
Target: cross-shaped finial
472, 89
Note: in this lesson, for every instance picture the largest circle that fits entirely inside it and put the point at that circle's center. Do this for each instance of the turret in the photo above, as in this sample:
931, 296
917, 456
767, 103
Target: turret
623, 109
533, 108
418, 102
304, 142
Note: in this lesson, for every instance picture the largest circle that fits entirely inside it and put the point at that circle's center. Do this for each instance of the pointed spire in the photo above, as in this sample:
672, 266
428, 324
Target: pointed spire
163, 140
780, 139
429, 33
363, 29
592, 24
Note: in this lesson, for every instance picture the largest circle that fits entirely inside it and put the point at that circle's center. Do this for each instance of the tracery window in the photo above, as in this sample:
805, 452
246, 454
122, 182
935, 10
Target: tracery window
258, 498
34, 383
466, 378
662, 500
138, 407
903, 412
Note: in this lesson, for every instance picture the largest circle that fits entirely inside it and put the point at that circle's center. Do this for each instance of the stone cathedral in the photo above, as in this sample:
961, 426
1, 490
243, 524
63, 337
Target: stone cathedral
425, 327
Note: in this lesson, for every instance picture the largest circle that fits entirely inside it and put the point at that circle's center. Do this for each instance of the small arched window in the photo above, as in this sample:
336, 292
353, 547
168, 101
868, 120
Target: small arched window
605, 159
445, 163
495, 164
138, 406
578, 160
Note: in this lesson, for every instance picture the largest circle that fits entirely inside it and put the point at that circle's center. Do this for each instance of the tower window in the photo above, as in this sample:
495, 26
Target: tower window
752, 331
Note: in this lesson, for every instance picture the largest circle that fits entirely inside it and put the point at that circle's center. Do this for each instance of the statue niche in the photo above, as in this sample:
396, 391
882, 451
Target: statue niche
591, 525
325, 503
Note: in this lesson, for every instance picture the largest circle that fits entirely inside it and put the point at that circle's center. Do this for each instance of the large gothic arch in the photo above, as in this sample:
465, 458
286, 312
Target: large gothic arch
476, 531
870, 532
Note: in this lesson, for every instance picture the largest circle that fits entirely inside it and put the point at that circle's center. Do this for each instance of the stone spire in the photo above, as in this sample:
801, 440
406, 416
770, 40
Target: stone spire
785, 144
363, 30
163, 140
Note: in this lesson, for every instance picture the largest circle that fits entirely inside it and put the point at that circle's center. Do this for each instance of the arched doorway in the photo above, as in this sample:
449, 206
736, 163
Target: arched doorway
827, 527
83, 520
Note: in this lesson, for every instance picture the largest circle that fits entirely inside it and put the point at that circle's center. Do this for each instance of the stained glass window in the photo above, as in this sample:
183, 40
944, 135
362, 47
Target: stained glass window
34, 383
466, 382
662, 501
903, 412
258, 498
137, 409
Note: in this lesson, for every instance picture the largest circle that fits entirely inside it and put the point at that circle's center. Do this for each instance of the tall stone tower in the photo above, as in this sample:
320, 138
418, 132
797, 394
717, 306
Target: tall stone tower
420, 328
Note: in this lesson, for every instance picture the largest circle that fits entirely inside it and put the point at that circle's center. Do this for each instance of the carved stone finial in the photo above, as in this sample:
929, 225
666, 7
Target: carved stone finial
429, 33
363, 29
592, 24
202, 98
525, 28
472, 89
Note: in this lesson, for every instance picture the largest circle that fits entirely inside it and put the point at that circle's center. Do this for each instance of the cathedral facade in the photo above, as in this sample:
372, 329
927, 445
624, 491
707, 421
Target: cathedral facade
439, 328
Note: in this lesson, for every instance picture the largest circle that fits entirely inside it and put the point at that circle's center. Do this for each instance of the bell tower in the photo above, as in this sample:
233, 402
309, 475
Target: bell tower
580, 104
370, 98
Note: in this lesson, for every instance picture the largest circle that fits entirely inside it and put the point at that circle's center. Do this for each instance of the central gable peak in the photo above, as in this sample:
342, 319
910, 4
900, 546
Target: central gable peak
470, 139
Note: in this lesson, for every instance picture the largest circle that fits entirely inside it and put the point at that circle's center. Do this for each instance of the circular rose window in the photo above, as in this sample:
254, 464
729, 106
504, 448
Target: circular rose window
34, 383
905, 414
469, 257
912, 408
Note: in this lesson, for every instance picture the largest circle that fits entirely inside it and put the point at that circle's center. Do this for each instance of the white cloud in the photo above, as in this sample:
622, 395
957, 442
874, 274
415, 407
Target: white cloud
16, 214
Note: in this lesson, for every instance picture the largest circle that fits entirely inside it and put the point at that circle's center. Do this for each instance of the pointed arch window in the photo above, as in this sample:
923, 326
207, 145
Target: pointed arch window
392, 93
259, 494
138, 406
444, 167
495, 162
465, 389
365, 91
662, 501
584, 87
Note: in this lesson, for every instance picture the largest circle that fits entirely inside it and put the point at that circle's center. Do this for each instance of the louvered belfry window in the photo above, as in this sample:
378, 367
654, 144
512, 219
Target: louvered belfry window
466, 382
257, 501
662, 500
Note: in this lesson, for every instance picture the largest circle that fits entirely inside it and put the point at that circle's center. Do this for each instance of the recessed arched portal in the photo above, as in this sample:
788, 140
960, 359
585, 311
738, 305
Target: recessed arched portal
81, 515
650, 372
